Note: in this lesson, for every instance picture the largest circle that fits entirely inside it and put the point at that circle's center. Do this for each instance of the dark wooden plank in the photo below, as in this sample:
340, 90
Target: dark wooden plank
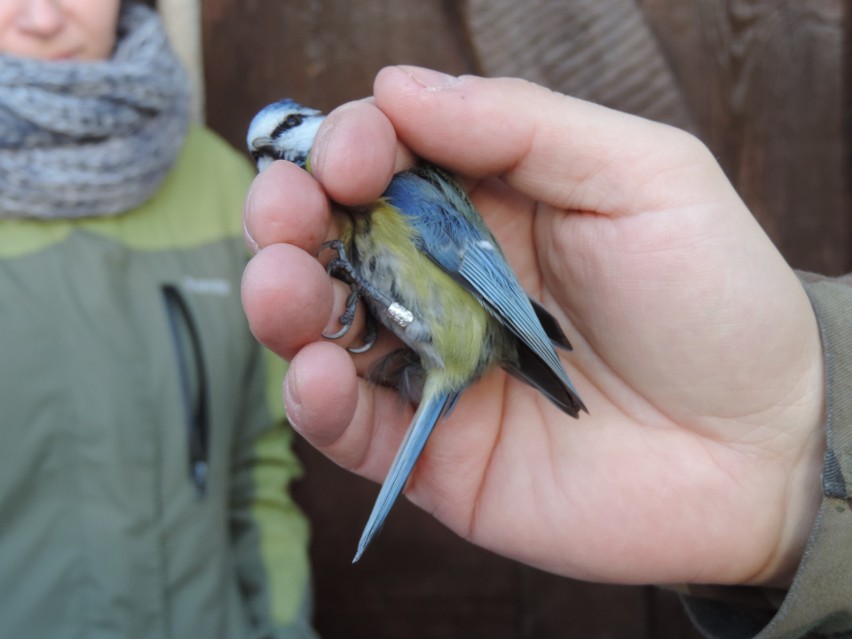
599, 51
666, 617
320, 52
764, 82
555, 607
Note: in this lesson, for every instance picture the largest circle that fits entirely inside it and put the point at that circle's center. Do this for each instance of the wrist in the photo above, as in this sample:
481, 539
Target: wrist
804, 490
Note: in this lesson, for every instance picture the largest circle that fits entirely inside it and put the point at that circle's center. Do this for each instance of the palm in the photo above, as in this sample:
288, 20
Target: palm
655, 341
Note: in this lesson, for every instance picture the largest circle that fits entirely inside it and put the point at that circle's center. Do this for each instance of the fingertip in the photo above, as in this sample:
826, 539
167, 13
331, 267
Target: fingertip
321, 393
355, 153
286, 205
287, 297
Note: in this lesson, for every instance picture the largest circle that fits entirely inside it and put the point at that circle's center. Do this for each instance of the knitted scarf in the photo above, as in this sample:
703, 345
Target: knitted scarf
91, 138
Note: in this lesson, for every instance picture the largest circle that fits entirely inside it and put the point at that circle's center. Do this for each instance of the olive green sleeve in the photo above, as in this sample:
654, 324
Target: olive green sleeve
269, 531
819, 602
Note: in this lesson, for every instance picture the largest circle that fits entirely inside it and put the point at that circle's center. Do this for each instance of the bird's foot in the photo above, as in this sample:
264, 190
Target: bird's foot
343, 269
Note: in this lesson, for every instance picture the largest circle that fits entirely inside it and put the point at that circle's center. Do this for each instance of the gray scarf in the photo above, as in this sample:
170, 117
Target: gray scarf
91, 138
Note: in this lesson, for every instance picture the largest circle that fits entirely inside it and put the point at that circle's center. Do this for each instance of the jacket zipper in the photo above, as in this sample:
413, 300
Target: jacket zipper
190, 359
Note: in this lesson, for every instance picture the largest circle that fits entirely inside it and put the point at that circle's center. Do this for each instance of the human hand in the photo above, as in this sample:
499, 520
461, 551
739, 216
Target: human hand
696, 349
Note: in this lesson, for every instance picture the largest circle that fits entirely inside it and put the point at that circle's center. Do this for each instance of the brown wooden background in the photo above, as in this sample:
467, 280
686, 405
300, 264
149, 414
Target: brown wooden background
762, 82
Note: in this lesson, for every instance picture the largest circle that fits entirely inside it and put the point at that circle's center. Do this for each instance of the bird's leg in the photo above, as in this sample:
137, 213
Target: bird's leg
343, 269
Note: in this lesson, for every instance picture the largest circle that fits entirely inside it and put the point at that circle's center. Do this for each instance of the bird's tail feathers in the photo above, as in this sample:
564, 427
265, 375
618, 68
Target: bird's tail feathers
531, 369
551, 326
431, 409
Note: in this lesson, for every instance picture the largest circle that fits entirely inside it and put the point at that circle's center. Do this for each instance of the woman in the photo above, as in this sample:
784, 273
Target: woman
143, 477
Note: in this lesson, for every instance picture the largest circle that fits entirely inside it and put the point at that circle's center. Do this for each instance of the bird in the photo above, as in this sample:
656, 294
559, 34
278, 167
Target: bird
429, 270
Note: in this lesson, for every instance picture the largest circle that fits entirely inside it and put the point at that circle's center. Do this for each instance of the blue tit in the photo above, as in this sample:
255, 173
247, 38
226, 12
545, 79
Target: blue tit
429, 270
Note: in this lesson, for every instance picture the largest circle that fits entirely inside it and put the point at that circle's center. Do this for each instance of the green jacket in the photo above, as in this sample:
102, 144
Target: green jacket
819, 602
124, 349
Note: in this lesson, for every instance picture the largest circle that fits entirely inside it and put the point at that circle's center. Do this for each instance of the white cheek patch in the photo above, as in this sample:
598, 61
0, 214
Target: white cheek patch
302, 137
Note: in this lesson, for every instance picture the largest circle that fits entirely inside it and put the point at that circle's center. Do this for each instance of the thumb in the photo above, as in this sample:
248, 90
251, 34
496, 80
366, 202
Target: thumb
560, 150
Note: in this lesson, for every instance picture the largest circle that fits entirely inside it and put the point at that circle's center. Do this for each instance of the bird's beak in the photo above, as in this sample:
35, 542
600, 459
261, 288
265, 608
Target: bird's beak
262, 152
259, 143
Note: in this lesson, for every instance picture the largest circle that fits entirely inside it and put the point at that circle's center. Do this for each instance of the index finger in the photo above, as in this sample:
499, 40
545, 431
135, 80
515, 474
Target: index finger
285, 205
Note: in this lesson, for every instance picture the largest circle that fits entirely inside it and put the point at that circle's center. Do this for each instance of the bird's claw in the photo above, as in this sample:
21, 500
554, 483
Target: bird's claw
342, 269
343, 330
348, 315
370, 336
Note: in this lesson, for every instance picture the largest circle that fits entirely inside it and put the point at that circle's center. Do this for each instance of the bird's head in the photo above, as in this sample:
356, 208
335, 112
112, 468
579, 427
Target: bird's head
284, 130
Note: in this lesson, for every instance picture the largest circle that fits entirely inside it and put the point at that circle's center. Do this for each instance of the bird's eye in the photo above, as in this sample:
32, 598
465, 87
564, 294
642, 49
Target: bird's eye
291, 121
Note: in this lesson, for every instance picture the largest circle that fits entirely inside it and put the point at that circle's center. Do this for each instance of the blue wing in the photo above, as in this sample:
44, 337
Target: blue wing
453, 235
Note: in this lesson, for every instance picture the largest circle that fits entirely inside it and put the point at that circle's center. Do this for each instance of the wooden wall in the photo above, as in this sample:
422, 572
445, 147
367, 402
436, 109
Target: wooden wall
760, 81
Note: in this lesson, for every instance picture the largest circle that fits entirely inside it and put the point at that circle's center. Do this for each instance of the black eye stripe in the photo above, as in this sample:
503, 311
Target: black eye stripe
292, 120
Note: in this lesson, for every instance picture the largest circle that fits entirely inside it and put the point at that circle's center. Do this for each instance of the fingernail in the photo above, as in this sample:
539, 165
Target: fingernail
252, 244
430, 79
292, 403
318, 148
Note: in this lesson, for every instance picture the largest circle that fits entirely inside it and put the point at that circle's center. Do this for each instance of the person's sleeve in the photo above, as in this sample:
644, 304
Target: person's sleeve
269, 531
819, 601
